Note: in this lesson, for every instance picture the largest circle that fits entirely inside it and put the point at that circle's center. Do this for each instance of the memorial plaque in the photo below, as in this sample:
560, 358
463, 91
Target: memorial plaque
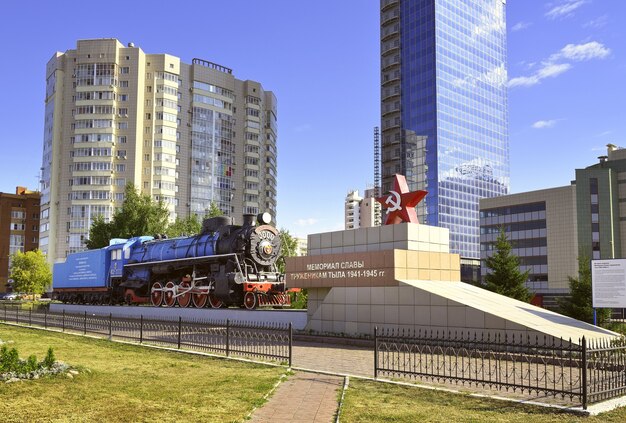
608, 282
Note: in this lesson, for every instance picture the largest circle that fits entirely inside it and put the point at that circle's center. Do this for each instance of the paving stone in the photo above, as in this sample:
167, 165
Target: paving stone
303, 397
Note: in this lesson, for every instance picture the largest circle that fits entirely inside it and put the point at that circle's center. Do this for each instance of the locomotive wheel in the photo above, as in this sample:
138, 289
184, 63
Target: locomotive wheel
215, 302
250, 300
156, 297
169, 300
200, 300
184, 300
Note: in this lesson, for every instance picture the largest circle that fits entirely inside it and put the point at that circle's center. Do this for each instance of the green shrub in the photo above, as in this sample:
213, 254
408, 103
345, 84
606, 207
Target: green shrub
10, 361
50, 358
31, 364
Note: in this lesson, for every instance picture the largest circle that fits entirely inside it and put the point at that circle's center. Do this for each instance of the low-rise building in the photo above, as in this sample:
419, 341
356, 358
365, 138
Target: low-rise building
550, 229
19, 228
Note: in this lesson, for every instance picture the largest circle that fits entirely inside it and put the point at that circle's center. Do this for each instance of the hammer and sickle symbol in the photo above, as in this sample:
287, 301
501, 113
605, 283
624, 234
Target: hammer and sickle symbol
394, 200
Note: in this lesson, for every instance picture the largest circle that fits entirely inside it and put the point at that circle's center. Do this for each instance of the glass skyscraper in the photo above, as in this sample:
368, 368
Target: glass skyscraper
443, 80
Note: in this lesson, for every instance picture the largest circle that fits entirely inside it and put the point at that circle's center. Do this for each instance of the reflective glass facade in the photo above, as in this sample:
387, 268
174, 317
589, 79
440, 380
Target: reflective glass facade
444, 78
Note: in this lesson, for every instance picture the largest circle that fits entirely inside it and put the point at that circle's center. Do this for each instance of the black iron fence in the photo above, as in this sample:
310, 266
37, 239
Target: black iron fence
581, 372
273, 342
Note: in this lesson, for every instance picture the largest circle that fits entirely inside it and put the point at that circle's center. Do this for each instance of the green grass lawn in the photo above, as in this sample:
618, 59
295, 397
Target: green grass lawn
367, 401
130, 383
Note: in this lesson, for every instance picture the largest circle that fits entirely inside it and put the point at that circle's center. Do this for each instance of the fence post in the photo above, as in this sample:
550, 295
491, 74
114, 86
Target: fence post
5, 313
290, 342
85, 324
180, 323
227, 337
63, 327
45, 318
375, 352
17, 315
141, 330
30, 317
110, 326
584, 375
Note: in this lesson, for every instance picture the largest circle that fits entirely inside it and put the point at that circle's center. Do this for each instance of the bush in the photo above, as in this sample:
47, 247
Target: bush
12, 367
50, 359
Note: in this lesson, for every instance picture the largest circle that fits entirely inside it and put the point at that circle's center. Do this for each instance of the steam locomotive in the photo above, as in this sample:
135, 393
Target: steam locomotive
225, 265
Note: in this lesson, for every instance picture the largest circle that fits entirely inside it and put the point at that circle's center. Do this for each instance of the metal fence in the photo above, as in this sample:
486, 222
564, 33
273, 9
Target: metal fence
583, 373
259, 341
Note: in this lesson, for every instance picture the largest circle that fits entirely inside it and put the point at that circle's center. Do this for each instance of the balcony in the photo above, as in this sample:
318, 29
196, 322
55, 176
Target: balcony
390, 108
389, 16
390, 46
386, 4
389, 62
389, 31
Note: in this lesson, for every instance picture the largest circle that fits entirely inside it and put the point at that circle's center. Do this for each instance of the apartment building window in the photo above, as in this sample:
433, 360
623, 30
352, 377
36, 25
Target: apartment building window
595, 217
123, 84
125, 70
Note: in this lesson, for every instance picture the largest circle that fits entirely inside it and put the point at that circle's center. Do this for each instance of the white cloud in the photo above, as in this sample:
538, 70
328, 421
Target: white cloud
597, 23
583, 52
546, 71
557, 63
520, 25
604, 134
565, 9
306, 222
541, 124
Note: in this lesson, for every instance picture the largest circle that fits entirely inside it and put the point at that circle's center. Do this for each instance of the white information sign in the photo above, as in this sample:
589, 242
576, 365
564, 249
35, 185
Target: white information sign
608, 283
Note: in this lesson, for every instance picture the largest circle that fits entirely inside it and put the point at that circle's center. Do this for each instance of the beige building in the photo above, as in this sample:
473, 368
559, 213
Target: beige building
187, 134
542, 228
362, 212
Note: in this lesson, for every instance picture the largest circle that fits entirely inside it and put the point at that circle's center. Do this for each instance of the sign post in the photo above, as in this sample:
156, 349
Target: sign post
608, 284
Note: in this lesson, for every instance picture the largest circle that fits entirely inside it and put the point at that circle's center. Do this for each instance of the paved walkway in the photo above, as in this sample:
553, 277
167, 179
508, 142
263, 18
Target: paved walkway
303, 397
342, 359
309, 397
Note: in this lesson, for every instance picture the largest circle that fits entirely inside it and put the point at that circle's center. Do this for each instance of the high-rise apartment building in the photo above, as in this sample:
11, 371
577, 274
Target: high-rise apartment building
362, 212
444, 97
19, 227
186, 133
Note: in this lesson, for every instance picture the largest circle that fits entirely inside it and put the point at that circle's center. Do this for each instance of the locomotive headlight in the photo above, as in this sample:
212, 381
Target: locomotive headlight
266, 248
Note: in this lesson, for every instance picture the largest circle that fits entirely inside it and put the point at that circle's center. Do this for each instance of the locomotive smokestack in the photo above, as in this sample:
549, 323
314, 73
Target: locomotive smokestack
248, 219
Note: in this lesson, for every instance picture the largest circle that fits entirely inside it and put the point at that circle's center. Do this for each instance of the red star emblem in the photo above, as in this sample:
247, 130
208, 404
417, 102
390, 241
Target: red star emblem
401, 203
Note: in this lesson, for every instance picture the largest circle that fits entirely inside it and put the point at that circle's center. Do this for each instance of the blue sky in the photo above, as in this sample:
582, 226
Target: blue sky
567, 68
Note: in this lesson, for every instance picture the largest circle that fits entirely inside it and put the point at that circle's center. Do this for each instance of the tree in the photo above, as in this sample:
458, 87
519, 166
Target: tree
185, 226
579, 304
213, 211
100, 233
30, 272
139, 215
192, 224
289, 246
505, 277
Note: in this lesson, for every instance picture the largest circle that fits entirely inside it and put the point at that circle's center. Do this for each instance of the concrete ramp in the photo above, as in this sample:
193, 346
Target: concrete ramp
442, 306
510, 311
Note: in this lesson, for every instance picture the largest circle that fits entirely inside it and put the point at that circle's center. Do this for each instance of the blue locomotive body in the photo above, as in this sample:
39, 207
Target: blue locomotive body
224, 265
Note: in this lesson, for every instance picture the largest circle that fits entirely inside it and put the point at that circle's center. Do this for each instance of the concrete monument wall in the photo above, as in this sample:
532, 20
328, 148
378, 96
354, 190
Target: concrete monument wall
403, 276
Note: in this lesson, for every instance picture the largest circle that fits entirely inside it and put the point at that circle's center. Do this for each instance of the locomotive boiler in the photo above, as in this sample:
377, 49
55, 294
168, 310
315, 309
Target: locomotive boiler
225, 265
